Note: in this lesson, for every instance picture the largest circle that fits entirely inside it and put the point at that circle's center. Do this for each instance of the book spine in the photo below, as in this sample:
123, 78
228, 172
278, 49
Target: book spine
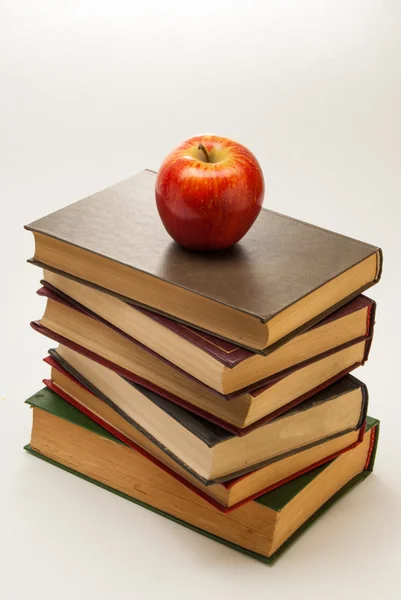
379, 255
365, 403
370, 325
371, 457
365, 399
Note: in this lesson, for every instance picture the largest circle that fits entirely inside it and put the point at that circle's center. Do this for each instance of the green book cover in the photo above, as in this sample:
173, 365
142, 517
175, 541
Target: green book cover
276, 499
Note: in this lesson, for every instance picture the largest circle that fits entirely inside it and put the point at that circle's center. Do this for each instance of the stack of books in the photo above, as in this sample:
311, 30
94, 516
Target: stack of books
212, 388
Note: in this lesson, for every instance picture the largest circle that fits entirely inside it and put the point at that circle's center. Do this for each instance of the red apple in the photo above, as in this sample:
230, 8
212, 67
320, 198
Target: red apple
209, 191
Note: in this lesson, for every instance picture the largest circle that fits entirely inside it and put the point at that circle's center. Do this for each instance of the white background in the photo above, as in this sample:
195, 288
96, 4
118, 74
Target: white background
92, 92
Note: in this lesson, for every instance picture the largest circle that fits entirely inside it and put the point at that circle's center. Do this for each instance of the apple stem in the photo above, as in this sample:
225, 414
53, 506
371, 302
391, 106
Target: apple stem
205, 152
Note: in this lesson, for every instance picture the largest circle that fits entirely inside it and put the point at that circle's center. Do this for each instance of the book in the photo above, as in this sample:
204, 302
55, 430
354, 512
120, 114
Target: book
221, 365
227, 495
79, 330
284, 276
263, 528
205, 450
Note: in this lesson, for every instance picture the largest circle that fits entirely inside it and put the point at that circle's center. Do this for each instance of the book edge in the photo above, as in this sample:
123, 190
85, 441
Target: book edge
36, 325
298, 405
263, 318
264, 352
117, 436
51, 293
218, 480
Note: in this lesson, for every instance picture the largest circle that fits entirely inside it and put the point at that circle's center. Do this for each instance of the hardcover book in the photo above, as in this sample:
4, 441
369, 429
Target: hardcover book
205, 450
80, 330
284, 276
263, 528
221, 365
227, 495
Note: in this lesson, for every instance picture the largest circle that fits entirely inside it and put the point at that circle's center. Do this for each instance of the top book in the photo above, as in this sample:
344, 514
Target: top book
284, 276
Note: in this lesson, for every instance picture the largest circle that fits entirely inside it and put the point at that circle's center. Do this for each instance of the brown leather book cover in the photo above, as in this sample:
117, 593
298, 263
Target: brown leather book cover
225, 352
280, 261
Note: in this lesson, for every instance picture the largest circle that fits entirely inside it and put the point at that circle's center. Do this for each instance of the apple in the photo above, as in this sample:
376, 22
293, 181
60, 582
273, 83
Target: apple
209, 191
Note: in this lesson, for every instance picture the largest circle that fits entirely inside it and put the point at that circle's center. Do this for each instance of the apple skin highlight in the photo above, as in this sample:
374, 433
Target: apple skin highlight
209, 191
